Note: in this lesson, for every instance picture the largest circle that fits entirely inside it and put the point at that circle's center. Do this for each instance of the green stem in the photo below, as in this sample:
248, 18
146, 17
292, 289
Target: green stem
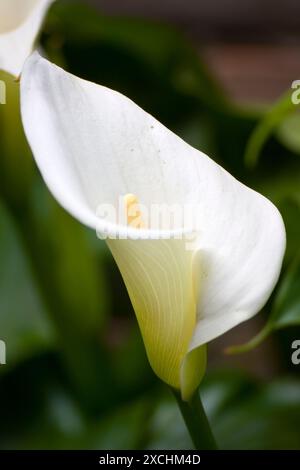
253, 343
196, 422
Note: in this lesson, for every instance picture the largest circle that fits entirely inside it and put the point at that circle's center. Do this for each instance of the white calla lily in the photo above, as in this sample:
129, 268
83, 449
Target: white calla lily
20, 22
93, 145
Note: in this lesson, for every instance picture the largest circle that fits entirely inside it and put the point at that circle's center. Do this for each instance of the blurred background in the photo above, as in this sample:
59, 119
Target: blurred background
219, 74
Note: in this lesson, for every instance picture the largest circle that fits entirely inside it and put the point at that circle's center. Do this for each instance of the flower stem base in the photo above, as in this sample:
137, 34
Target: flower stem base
196, 422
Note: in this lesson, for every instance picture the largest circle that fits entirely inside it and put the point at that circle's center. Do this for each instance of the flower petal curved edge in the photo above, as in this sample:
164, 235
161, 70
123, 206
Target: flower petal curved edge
17, 39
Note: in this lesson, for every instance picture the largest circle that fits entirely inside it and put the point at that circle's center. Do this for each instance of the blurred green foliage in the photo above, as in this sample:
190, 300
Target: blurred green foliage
77, 375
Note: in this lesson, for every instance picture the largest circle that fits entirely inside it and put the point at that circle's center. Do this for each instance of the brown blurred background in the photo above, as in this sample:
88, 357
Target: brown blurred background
252, 46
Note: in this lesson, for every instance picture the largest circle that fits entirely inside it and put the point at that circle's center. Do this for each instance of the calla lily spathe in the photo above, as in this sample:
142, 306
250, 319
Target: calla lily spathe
20, 22
92, 145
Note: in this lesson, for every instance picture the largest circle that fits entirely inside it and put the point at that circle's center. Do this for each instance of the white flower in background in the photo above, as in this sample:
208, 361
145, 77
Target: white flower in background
20, 22
93, 145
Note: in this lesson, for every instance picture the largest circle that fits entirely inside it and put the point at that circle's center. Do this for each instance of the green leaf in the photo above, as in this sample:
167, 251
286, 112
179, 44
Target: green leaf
24, 322
16, 163
286, 310
72, 279
267, 419
290, 210
56, 422
266, 126
288, 132
244, 414
67, 263
286, 304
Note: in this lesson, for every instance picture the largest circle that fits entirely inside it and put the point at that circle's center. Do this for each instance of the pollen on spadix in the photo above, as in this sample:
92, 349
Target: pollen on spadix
133, 212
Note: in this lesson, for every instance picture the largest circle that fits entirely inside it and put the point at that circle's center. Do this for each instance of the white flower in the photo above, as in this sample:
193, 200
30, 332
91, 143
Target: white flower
20, 22
93, 145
